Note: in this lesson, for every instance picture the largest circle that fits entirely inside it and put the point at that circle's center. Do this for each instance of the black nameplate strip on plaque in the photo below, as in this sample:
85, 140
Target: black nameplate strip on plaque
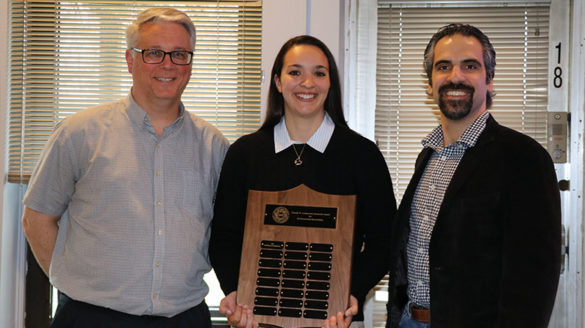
327, 248
316, 295
289, 312
272, 244
271, 254
295, 265
291, 303
294, 274
290, 283
320, 305
264, 310
320, 257
295, 255
318, 275
270, 263
292, 293
297, 246
317, 285
267, 291
323, 266
315, 314
300, 216
267, 301
269, 282
270, 273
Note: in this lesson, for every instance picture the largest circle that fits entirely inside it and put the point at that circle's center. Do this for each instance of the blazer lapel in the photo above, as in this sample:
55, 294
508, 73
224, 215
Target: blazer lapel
470, 162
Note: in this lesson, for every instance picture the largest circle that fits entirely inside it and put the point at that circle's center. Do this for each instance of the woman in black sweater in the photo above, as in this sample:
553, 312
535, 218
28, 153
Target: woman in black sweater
304, 140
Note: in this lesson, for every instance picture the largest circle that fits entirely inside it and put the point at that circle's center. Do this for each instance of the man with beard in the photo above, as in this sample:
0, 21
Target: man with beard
476, 241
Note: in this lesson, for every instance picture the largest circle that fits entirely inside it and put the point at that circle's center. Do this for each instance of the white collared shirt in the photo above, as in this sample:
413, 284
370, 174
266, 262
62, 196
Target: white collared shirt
318, 141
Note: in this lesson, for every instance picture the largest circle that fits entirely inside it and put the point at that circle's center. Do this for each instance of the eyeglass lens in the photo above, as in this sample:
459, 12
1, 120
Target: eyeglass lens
156, 56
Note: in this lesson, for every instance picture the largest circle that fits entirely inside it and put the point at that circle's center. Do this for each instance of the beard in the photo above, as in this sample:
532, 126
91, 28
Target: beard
455, 109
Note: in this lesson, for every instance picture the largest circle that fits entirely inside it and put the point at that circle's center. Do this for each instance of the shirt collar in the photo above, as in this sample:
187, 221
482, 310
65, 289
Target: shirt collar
318, 141
468, 138
139, 117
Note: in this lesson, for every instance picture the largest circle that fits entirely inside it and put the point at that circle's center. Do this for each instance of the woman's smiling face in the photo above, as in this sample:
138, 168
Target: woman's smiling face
304, 81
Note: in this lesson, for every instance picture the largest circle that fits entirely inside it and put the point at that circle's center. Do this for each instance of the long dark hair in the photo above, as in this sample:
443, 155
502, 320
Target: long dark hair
275, 104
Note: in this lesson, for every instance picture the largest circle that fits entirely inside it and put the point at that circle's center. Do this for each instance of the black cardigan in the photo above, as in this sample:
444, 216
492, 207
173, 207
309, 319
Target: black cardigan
351, 164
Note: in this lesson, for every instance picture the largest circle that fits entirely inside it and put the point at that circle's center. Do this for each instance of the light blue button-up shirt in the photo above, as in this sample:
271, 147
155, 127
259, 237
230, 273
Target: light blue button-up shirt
135, 208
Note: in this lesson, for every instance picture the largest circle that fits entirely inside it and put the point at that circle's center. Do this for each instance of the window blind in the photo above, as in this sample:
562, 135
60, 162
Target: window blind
69, 55
405, 114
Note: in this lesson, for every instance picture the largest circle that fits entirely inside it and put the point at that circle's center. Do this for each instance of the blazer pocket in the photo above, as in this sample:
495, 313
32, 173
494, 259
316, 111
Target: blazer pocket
480, 219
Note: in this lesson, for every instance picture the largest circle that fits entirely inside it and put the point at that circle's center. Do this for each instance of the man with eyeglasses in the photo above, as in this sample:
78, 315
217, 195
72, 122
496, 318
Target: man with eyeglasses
118, 209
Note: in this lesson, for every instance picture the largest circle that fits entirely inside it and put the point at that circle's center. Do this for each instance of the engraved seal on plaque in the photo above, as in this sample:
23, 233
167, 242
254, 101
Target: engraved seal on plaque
280, 214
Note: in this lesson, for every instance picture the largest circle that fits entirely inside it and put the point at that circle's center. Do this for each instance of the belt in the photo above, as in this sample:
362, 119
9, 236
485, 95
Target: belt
419, 313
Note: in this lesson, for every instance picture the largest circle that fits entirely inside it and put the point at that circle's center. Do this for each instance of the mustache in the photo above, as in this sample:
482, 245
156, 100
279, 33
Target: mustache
455, 86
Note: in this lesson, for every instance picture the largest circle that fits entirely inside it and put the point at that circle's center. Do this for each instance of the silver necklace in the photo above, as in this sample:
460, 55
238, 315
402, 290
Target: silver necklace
298, 161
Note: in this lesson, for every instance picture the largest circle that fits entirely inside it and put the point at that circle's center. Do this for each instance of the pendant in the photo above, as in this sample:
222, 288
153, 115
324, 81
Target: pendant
298, 162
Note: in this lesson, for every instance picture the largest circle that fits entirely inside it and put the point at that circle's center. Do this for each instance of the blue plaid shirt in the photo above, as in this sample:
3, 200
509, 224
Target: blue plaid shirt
427, 203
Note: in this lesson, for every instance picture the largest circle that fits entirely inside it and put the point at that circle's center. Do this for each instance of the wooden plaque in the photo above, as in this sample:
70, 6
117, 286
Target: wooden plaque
296, 260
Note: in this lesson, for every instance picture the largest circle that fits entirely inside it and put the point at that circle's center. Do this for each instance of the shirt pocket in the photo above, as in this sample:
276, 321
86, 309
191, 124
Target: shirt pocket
197, 198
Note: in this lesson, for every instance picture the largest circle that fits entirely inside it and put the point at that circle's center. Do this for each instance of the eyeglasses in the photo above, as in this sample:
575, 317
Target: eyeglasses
157, 56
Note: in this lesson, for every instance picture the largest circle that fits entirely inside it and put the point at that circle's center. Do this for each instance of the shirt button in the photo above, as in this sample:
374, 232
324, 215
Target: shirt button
443, 158
420, 250
159, 232
426, 217
158, 173
158, 202
420, 283
154, 295
432, 187
157, 264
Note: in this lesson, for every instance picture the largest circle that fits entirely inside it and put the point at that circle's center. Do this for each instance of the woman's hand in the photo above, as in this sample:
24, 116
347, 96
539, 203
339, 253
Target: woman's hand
238, 315
343, 319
